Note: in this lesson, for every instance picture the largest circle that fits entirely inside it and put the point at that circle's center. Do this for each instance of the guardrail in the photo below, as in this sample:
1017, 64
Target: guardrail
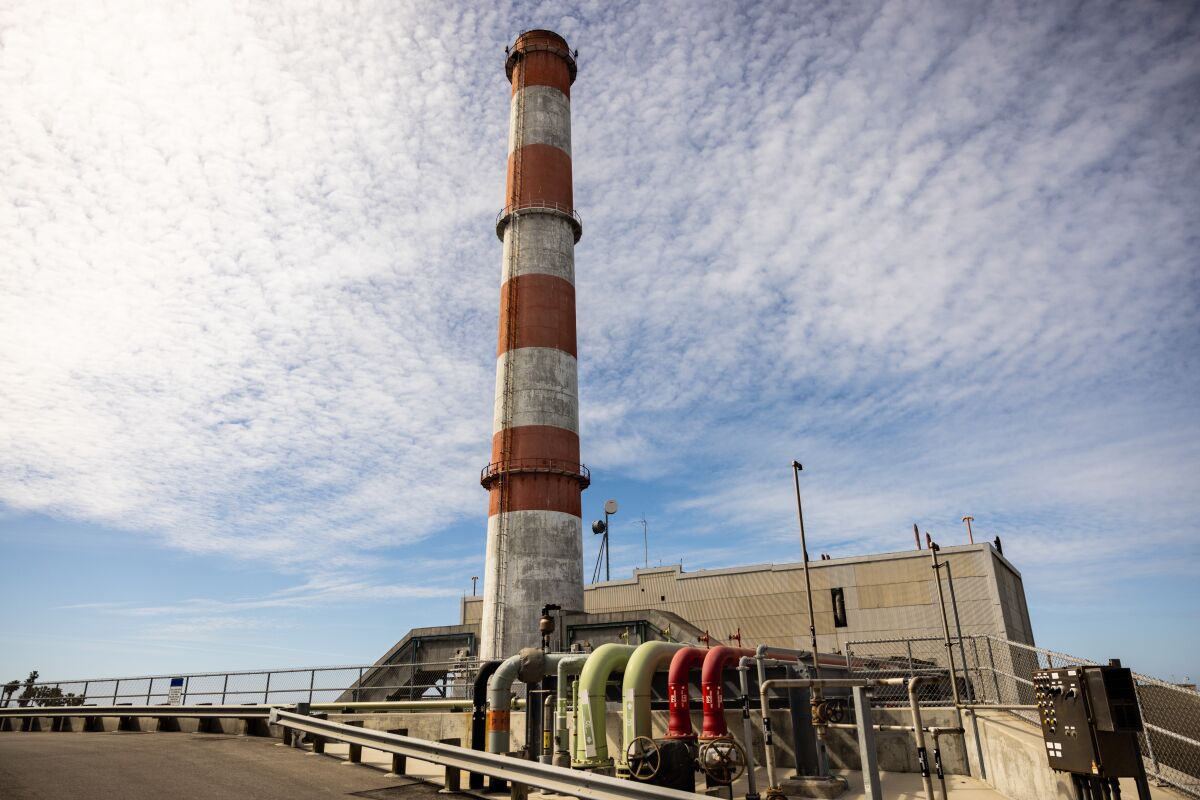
559, 780
281, 686
538, 207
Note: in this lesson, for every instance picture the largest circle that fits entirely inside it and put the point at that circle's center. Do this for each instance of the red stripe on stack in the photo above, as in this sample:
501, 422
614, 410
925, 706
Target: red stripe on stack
545, 177
545, 315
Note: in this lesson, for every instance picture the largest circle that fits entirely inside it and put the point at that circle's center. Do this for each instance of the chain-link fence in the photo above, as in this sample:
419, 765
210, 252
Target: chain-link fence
989, 670
339, 684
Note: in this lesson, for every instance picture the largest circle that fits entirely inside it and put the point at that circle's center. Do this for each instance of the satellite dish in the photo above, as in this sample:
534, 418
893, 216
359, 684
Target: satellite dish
610, 507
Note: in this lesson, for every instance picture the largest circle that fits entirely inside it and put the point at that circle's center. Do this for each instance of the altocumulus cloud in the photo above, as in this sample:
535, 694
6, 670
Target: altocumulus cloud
249, 296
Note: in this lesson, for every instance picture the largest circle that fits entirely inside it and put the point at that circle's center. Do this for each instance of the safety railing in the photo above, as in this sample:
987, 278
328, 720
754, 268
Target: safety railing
583, 784
538, 207
552, 466
351, 683
990, 670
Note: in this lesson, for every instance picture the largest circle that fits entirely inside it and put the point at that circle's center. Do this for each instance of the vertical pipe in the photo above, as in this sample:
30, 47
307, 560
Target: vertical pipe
919, 733
958, 627
937, 579
966, 683
937, 763
747, 728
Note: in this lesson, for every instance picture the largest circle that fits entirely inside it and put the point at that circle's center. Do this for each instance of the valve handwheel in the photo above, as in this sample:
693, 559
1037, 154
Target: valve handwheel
835, 710
644, 758
723, 760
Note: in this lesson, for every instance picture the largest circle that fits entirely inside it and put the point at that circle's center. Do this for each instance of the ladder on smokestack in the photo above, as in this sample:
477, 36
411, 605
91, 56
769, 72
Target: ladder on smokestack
510, 343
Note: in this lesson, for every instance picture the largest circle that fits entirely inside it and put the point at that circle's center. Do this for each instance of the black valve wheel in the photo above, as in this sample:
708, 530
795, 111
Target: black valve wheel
643, 758
723, 760
833, 711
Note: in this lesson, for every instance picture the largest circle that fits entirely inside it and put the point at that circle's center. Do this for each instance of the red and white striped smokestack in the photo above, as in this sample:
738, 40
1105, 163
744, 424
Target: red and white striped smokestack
534, 480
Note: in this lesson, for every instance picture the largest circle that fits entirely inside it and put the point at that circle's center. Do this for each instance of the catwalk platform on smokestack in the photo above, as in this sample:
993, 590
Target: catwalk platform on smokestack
534, 480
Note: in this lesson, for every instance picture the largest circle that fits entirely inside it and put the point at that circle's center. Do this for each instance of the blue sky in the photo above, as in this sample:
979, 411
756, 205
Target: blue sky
945, 254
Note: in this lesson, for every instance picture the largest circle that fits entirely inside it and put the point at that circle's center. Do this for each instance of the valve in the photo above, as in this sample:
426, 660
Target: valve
643, 758
723, 760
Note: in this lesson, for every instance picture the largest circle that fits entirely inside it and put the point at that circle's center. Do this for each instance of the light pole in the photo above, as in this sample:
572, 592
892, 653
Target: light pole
645, 543
601, 526
970, 535
815, 694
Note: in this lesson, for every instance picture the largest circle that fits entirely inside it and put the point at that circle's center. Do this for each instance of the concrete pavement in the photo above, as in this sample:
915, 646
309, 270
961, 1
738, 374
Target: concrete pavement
181, 766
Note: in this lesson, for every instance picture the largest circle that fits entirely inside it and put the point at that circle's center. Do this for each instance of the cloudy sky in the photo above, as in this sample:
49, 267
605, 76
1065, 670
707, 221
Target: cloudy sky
944, 254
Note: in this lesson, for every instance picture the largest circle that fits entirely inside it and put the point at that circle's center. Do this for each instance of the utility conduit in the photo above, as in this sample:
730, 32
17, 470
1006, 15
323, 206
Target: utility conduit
685, 660
648, 658
712, 688
849, 683
570, 665
591, 738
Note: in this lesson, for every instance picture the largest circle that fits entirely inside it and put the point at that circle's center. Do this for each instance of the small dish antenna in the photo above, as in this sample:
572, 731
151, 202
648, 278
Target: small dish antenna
610, 507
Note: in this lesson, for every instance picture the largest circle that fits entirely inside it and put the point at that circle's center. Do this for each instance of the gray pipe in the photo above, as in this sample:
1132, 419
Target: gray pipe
747, 727
499, 702
567, 666
810, 683
919, 732
764, 651
530, 665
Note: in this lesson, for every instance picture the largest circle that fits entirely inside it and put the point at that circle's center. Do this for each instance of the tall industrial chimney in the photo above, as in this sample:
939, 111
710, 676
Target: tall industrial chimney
534, 480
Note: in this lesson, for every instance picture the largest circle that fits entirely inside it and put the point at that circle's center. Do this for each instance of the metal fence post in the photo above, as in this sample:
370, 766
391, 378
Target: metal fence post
267, 690
116, 690
866, 743
149, 689
224, 688
908, 645
312, 680
186, 680
85, 691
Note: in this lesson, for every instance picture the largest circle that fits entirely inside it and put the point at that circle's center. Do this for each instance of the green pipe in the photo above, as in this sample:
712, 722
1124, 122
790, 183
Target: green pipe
570, 665
648, 658
591, 739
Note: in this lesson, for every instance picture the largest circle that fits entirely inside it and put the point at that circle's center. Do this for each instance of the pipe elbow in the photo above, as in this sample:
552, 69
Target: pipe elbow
711, 687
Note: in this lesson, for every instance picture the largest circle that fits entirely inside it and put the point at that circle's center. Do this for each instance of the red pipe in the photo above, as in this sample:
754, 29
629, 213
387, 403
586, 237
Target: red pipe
682, 663
711, 682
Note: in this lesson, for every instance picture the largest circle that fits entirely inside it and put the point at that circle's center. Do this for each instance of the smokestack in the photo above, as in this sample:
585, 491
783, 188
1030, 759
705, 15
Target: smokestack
534, 480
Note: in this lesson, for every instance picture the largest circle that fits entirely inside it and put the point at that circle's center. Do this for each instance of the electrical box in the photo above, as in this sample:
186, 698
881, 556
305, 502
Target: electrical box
1090, 720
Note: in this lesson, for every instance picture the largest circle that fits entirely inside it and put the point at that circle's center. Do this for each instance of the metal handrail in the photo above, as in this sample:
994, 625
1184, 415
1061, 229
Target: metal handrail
497, 469
583, 784
538, 207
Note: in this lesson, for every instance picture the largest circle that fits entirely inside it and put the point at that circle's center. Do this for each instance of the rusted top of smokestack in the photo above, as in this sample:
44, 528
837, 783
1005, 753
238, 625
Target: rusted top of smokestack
542, 41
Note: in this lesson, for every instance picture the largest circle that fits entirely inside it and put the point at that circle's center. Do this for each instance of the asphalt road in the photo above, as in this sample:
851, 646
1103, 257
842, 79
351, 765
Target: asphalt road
181, 766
